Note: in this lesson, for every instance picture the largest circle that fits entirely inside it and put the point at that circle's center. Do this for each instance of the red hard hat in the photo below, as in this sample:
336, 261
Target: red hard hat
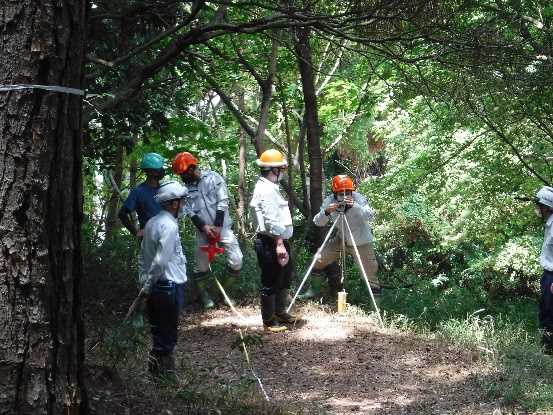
342, 183
183, 161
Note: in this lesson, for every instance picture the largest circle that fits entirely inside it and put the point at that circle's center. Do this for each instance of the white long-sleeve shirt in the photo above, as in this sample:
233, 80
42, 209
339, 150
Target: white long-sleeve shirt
206, 196
270, 211
161, 255
359, 218
546, 257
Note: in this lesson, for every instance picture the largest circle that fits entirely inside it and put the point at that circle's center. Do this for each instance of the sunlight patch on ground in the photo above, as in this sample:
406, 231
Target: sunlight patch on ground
353, 406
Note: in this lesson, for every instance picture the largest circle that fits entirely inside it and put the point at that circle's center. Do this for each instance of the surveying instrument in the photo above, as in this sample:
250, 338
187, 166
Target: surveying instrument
344, 225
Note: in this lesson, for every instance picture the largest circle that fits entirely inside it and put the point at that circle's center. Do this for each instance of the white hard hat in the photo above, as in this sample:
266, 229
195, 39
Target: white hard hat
170, 191
545, 196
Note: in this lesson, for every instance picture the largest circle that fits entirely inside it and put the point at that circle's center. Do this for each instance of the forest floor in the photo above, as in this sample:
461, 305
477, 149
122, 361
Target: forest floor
342, 364
327, 364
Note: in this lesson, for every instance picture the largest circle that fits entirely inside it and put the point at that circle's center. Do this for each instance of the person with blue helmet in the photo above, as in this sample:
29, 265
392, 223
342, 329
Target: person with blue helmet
141, 198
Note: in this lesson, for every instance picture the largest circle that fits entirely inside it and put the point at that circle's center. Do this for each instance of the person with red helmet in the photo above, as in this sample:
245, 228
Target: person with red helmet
208, 207
345, 200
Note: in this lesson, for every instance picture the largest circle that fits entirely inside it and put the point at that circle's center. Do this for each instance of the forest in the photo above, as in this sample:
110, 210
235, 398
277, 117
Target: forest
441, 113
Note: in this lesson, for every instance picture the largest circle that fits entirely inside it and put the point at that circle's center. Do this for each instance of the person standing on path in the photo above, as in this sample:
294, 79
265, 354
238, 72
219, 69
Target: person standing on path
544, 209
162, 274
273, 223
208, 207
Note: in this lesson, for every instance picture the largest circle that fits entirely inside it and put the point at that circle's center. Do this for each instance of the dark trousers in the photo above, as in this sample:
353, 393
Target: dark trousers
273, 276
164, 306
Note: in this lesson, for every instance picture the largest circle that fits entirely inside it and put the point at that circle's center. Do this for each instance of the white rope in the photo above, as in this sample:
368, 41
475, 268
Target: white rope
315, 258
242, 341
358, 257
52, 88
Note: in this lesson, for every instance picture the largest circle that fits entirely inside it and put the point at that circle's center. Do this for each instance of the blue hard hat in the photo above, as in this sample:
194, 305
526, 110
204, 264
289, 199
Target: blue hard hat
152, 161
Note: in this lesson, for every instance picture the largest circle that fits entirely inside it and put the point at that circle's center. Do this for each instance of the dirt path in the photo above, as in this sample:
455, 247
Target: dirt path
344, 364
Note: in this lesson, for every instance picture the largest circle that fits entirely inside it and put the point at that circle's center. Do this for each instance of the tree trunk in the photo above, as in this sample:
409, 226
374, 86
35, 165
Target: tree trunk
290, 157
311, 120
241, 211
133, 173
41, 330
112, 221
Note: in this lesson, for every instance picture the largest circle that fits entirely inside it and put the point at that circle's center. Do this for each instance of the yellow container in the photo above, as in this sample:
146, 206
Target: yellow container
342, 302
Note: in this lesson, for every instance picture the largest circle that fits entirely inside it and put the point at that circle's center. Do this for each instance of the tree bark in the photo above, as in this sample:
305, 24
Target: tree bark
41, 329
241, 211
311, 119
133, 172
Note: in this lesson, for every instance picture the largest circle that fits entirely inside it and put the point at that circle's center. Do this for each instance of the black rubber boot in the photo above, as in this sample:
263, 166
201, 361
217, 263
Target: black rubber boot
270, 322
281, 303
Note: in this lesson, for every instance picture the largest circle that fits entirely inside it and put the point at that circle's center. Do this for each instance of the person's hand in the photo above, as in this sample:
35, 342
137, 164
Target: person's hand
217, 230
140, 233
282, 254
210, 231
551, 288
331, 208
349, 201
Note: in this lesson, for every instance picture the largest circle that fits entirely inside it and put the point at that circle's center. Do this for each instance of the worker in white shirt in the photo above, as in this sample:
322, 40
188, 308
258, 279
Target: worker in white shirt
208, 207
544, 209
162, 273
274, 228
359, 215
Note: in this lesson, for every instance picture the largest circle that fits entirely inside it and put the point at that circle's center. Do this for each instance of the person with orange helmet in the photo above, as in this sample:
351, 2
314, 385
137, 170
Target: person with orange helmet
345, 200
208, 207
273, 223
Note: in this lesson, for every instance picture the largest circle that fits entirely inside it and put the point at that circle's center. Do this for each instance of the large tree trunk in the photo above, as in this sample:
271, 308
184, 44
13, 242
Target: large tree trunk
41, 330
311, 121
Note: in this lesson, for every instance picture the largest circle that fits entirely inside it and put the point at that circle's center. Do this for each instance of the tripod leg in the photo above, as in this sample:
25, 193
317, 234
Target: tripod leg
316, 256
363, 272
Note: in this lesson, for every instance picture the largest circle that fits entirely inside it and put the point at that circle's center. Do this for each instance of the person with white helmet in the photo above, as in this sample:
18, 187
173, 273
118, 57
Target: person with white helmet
359, 215
544, 209
274, 228
162, 273
208, 207
141, 198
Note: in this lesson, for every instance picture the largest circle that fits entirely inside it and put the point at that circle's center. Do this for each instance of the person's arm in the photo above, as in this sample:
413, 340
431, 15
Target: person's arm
125, 218
164, 252
323, 217
362, 206
128, 207
222, 205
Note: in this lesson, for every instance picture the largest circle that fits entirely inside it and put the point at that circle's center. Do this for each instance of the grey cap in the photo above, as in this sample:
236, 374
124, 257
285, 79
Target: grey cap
545, 196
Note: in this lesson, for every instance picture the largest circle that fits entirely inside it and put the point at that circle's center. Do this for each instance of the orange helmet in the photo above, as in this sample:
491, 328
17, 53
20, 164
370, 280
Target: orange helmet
342, 183
183, 161
271, 158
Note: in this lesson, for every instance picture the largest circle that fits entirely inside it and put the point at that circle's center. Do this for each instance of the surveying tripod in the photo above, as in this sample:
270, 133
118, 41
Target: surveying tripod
342, 220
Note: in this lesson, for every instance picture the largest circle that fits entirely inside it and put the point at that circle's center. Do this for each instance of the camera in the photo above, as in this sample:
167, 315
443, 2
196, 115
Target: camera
341, 206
